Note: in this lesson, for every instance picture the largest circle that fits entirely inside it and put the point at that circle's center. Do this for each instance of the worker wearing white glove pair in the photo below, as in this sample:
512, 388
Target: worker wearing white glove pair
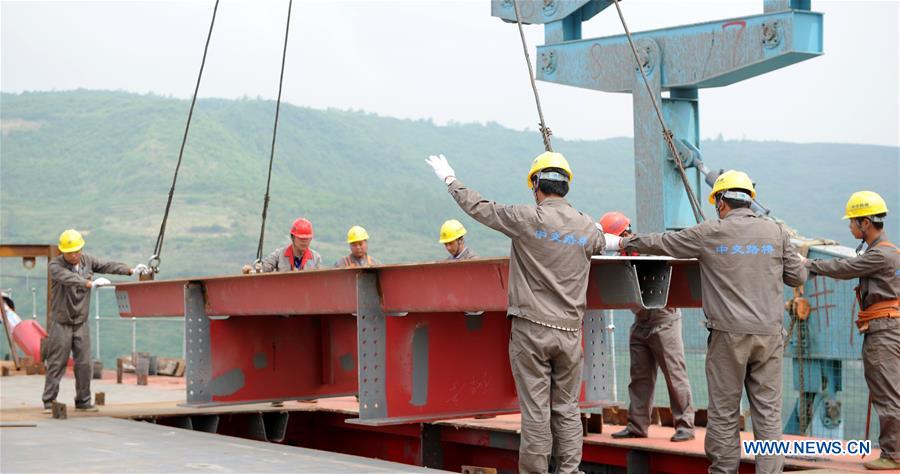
552, 245
71, 278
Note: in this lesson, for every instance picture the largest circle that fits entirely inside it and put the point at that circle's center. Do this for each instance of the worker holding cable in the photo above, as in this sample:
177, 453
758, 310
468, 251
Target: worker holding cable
549, 262
878, 295
71, 280
745, 261
295, 256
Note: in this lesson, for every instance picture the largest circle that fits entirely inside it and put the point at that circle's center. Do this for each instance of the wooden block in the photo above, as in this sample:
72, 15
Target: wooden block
100, 398
179, 372
59, 411
120, 369
97, 369
592, 423
5, 371
665, 416
167, 366
615, 415
143, 370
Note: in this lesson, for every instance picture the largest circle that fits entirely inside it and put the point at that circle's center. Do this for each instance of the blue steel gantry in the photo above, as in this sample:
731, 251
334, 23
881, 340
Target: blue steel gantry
679, 61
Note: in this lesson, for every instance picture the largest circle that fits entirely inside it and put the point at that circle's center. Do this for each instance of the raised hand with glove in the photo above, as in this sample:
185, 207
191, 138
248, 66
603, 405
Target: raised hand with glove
441, 168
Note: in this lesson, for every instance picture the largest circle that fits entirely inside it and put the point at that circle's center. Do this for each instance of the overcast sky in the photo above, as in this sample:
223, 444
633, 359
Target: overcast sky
447, 60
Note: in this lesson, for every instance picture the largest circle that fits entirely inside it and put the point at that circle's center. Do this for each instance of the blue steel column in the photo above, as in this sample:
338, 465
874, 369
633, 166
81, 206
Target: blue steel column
681, 111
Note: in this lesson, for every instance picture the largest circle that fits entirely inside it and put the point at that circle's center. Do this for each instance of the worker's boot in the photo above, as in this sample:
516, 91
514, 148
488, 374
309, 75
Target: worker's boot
682, 435
882, 464
626, 433
48, 408
87, 407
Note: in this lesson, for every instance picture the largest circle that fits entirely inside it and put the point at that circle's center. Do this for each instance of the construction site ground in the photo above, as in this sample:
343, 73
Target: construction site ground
110, 441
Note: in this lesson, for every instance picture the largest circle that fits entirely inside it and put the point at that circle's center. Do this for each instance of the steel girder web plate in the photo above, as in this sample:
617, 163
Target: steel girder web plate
256, 358
431, 365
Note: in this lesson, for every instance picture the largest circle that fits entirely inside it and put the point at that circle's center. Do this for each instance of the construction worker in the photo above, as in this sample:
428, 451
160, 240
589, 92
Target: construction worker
654, 340
71, 280
295, 256
549, 263
358, 239
745, 261
878, 270
452, 236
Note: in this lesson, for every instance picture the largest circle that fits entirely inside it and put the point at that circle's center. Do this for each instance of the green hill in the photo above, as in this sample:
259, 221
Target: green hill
102, 162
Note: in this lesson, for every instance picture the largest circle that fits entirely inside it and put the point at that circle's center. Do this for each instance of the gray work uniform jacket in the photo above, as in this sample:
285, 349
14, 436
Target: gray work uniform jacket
550, 255
878, 270
281, 260
745, 261
70, 298
351, 262
467, 253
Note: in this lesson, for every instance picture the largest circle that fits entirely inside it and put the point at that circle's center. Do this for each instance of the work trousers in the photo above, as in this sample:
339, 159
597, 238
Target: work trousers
660, 346
734, 362
546, 365
881, 362
63, 340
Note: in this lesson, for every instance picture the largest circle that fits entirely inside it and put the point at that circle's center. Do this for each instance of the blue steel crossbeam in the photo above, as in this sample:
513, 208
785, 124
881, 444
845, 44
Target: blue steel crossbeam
680, 60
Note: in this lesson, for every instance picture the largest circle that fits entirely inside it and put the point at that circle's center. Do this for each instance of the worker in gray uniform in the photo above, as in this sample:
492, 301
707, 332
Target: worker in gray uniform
745, 261
549, 263
453, 237
878, 295
654, 341
71, 280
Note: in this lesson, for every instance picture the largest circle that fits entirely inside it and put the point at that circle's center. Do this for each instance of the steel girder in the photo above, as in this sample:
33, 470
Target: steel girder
416, 342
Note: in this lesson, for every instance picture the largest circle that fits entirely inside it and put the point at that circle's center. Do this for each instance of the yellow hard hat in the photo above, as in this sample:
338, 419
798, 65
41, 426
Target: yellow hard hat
451, 230
548, 159
356, 233
732, 179
70, 241
864, 203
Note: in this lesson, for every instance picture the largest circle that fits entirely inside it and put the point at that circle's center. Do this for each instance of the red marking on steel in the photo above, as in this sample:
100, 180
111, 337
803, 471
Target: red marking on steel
824, 292
741, 23
596, 61
827, 306
293, 353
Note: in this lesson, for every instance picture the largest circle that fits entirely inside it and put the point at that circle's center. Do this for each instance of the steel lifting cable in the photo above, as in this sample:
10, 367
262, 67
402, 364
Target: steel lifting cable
545, 131
262, 228
667, 134
153, 263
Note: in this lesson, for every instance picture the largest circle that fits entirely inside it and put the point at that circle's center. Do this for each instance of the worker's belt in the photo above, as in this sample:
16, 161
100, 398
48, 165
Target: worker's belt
881, 309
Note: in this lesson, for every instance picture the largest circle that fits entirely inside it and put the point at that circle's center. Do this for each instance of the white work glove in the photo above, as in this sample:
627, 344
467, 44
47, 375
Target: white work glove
140, 269
99, 282
441, 168
613, 242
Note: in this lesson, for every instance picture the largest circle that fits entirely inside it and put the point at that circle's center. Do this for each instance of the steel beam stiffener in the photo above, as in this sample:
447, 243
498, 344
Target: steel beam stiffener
416, 342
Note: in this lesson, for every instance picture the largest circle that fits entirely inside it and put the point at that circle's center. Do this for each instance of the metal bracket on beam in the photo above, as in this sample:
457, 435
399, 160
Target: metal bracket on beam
370, 335
197, 340
597, 358
634, 283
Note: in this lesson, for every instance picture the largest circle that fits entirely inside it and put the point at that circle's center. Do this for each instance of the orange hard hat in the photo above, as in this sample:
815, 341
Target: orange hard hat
615, 223
302, 228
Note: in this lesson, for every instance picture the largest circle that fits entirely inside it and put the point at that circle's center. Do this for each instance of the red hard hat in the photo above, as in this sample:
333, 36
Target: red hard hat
302, 228
614, 223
